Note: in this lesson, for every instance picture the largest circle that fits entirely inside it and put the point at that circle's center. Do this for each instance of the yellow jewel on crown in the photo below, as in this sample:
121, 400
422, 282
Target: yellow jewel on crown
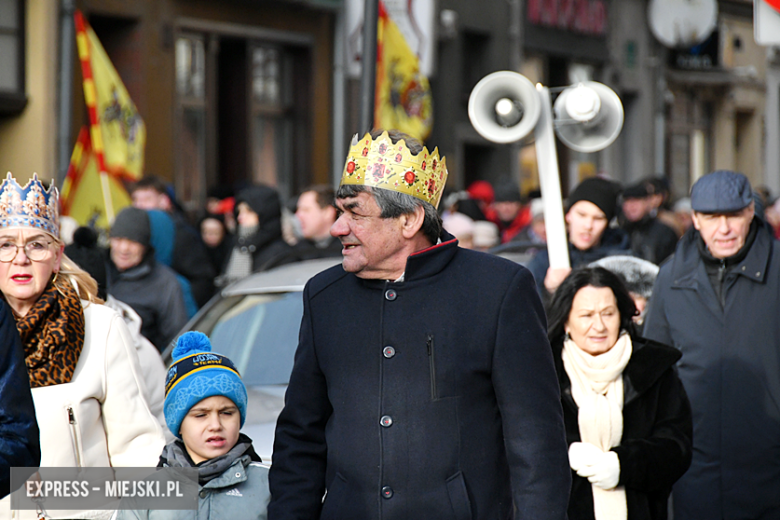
381, 164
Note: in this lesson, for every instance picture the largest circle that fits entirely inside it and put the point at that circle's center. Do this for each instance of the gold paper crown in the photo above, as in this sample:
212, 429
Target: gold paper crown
381, 164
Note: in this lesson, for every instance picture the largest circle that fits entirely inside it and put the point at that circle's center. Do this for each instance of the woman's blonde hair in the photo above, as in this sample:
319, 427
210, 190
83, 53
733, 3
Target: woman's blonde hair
85, 285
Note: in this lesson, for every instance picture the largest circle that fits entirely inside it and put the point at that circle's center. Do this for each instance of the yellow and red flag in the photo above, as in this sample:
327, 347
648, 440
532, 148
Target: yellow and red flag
117, 130
82, 191
403, 98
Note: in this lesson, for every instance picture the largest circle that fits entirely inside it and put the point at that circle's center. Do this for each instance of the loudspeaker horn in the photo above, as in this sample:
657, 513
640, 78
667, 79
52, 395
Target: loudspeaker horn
588, 116
504, 107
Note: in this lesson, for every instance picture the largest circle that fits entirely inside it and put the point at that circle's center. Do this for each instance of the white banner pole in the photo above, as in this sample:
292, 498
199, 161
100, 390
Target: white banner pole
550, 183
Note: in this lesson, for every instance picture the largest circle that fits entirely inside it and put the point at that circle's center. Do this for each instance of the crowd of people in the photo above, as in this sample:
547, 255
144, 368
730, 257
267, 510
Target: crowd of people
433, 378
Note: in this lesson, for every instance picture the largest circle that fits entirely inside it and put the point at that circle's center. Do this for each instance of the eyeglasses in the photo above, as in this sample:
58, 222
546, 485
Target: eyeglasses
36, 250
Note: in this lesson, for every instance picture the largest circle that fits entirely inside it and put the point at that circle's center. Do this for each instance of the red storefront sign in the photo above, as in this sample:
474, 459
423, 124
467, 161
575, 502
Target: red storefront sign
587, 17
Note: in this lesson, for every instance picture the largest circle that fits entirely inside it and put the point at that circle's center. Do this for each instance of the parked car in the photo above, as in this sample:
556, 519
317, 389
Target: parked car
255, 323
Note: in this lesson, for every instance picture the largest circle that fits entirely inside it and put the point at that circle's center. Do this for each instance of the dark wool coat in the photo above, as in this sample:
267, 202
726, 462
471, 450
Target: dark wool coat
655, 449
731, 372
432, 398
651, 239
19, 437
191, 260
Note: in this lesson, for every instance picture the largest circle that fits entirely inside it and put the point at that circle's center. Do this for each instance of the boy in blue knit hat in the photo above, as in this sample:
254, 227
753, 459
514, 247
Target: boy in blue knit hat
205, 407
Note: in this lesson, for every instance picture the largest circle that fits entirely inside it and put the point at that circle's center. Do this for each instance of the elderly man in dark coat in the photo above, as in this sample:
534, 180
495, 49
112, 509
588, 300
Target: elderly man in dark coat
717, 300
423, 385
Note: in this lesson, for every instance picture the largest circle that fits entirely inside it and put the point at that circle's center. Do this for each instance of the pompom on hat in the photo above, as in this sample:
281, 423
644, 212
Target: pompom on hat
196, 374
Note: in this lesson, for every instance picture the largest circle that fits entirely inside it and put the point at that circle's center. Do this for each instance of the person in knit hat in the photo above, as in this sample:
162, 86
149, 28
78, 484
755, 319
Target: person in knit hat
591, 207
135, 277
205, 408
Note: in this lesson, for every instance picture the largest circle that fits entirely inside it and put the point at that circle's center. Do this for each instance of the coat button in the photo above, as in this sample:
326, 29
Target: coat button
388, 352
203, 493
386, 421
391, 295
387, 492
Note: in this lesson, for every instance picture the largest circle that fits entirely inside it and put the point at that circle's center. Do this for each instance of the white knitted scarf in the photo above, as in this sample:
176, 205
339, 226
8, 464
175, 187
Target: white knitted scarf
597, 388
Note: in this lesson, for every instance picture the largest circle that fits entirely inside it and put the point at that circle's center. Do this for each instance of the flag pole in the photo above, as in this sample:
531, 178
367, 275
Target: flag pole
368, 66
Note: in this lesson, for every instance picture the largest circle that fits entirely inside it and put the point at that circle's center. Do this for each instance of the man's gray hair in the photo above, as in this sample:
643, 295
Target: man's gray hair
393, 204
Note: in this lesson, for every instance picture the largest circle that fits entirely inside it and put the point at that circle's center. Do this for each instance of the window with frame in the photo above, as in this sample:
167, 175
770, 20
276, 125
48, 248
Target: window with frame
12, 64
272, 129
191, 95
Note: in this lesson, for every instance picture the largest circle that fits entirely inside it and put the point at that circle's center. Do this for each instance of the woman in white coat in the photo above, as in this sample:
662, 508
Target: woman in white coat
89, 395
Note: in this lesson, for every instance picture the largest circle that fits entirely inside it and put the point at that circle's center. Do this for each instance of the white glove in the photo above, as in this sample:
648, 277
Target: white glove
605, 473
583, 454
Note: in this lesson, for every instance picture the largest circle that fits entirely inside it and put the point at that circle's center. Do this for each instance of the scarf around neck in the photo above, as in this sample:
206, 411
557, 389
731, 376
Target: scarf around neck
175, 455
597, 388
52, 333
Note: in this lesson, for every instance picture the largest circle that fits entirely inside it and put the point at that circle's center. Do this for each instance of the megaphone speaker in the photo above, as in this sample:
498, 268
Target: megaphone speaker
504, 107
588, 116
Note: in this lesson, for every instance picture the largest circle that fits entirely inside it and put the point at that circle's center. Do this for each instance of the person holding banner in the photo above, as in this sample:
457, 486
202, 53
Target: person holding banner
591, 206
90, 399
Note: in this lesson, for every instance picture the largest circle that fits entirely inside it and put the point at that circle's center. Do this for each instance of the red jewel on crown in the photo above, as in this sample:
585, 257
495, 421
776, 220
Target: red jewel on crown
351, 167
398, 157
382, 148
423, 165
365, 152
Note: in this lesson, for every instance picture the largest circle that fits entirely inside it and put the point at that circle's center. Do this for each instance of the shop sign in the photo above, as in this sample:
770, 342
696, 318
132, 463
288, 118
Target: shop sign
588, 17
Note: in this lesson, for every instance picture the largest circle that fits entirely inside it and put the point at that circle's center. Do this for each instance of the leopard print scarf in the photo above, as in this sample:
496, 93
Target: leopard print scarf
53, 335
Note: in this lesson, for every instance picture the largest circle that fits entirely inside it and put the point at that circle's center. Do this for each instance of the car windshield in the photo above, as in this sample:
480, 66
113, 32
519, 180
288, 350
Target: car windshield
258, 332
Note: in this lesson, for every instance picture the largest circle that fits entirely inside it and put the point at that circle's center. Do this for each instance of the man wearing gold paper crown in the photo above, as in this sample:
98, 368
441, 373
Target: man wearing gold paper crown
423, 385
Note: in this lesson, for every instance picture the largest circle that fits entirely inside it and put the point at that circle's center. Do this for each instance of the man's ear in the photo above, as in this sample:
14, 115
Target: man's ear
411, 223
695, 220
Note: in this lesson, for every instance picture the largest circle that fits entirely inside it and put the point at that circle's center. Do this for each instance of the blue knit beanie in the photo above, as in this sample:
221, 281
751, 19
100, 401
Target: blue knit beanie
198, 373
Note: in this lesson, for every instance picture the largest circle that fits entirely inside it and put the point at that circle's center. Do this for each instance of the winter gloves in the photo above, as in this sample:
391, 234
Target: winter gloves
601, 468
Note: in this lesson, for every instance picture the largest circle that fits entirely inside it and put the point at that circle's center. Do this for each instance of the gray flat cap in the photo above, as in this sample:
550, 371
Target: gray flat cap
721, 191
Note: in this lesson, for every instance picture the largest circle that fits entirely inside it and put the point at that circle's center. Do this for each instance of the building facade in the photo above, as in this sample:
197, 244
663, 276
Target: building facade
242, 91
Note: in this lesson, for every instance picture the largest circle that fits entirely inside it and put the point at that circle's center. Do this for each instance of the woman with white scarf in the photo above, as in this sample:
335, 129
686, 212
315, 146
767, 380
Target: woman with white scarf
628, 420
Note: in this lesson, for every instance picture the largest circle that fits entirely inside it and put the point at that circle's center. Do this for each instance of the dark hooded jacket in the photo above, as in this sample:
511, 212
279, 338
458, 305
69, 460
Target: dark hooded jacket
267, 246
430, 398
731, 372
613, 242
655, 449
